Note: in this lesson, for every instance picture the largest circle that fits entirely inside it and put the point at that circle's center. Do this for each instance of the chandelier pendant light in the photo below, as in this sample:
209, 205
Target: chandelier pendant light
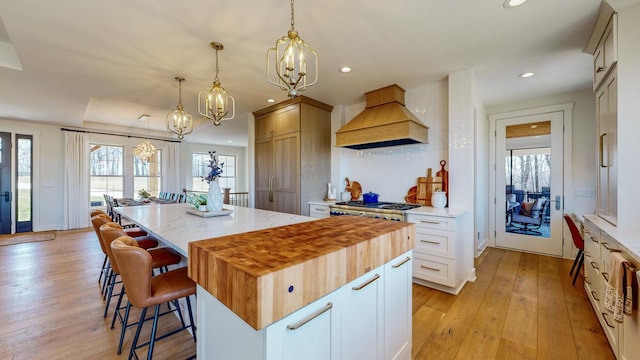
291, 57
214, 102
179, 121
145, 150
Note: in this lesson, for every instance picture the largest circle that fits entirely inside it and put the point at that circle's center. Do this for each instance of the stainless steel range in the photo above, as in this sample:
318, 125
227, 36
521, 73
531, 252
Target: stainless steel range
377, 210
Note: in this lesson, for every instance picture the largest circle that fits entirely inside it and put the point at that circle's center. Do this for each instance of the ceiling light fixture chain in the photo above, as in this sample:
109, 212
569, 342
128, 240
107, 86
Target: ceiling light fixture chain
179, 121
291, 57
214, 102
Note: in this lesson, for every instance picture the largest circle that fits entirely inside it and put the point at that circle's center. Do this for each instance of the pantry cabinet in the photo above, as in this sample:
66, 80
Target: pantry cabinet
293, 154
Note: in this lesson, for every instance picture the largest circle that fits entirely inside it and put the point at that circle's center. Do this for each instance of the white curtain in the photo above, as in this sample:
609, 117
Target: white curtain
172, 171
76, 181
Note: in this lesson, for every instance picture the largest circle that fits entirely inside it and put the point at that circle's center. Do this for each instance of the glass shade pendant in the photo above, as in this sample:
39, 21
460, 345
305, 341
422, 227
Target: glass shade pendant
179, 121
214, 102
292, 60
145, 150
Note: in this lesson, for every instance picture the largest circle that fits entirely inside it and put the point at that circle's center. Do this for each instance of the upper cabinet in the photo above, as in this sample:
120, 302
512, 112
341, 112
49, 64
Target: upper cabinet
293, 154
606, 53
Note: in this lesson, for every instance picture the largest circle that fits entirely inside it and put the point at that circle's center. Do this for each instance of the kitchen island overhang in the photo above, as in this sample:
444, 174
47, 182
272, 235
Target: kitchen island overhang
265, 275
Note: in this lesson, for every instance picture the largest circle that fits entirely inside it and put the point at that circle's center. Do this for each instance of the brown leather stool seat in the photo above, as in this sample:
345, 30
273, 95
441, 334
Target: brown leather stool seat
144, 291
160, 258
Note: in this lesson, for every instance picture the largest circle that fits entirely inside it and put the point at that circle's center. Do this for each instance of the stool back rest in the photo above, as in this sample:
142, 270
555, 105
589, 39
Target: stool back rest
111, 231
135, 266
96, 222
95, 212
578, 241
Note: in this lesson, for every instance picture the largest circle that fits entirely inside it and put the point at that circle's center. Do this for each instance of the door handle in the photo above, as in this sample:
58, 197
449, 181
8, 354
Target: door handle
7, 196
271, 179
558, 202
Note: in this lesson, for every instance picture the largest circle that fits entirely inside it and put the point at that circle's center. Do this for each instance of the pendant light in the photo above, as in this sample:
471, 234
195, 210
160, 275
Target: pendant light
145, 150
179, 121
214, 102
290, 56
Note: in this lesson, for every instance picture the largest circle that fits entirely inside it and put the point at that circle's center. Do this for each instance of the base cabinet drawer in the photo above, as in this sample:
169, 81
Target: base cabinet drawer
435, 242
433, 268
318, 211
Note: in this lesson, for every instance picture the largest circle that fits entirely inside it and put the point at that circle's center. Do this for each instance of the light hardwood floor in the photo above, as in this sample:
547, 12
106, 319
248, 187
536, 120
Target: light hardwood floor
522, 306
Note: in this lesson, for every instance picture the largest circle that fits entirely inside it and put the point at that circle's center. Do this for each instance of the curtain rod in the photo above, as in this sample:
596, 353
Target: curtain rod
123, 135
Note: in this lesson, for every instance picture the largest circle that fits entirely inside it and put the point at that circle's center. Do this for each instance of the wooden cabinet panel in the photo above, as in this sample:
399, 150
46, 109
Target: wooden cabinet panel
606, 104
290, 135
606, 54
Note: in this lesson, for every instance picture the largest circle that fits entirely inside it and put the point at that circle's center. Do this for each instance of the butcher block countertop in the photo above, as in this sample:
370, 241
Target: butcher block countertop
264, 275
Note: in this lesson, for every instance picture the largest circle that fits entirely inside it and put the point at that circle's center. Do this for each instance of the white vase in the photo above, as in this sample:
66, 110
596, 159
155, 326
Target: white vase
214, 197
438, 199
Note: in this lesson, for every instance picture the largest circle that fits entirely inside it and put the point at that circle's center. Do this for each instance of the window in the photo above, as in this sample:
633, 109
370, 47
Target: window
200, 169
147, 175
106, 171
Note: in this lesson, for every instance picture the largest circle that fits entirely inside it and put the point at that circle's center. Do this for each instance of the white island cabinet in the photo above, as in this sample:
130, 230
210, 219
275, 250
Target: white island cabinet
368, 318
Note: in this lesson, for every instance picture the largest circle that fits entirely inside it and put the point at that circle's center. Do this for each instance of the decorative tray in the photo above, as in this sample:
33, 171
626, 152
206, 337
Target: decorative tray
222, 212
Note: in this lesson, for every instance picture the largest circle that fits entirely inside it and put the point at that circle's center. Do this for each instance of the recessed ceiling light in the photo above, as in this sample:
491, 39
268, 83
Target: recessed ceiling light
526, 75
270, 100
345, 69
508, 4
229, 141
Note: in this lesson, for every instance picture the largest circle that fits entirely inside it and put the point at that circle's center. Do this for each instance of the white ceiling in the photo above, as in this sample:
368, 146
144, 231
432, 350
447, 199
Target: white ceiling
89, 61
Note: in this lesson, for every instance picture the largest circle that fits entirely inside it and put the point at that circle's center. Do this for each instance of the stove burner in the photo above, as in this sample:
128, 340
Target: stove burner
380, 205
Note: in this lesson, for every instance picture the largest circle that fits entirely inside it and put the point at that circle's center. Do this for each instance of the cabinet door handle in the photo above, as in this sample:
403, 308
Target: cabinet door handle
358, 288
312, 316
593, 295
431, 242
593, 239
600, 69
594, 265
587, 280
430, 222
602, 155
401, 263
429, 268
604, 244
605, 276
604, 316
320, 209
271, 180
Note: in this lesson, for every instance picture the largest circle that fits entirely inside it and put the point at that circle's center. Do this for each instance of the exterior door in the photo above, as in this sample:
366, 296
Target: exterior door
529, 183
5, 183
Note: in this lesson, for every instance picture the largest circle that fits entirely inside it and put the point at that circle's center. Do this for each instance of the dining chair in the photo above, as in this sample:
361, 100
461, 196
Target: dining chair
144, 290
578, 241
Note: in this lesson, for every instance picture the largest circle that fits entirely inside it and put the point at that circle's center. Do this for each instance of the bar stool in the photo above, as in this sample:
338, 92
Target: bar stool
144, 291
161, 258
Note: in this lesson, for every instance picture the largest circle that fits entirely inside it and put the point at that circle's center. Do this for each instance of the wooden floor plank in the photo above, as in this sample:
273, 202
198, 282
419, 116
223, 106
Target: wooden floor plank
52, 309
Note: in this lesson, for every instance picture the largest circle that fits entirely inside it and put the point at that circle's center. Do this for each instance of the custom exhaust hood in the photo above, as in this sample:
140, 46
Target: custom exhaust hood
384, 122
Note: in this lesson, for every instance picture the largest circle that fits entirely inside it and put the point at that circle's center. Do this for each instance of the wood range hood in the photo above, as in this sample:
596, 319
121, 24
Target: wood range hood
384, 122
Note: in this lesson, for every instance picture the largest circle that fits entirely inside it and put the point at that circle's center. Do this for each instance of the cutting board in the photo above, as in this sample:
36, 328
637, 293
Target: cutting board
444, 175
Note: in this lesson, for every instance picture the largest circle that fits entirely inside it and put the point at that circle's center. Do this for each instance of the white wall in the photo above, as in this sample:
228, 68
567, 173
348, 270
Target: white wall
392, 171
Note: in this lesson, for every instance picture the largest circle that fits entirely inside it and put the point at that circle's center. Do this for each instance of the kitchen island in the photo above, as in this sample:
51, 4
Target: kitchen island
335, 288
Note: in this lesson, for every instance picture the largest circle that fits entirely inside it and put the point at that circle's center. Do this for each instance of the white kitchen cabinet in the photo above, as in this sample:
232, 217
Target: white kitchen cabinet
600, 243
368, 318
397, 308
319, 209
441, 256
362, 318
606, 52
309, 333
607, 119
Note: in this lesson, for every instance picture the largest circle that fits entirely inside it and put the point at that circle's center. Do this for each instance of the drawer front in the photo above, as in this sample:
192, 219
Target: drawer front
432, 222
591, 236
593, 286
318, 211
435, 269
435, 242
